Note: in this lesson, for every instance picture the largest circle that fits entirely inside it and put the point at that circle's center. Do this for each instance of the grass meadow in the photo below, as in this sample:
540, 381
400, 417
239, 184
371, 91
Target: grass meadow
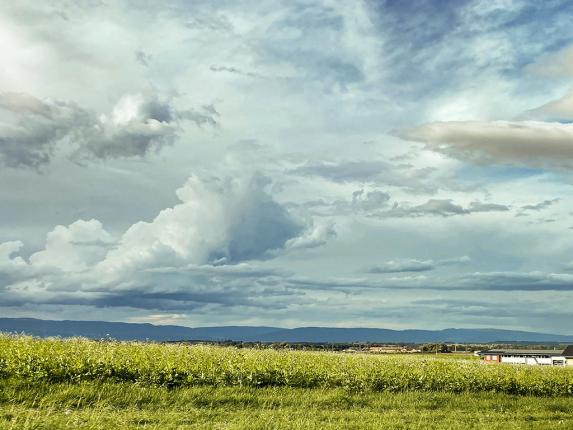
77, 383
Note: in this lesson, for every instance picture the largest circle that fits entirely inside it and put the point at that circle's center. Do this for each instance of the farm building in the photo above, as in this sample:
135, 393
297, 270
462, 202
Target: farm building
544, 357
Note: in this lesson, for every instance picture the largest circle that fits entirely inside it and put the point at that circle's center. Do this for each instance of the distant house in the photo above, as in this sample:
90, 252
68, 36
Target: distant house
543, 357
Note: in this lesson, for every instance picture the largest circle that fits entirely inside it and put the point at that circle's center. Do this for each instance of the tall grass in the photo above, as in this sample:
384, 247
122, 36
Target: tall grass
75, 360
103, 406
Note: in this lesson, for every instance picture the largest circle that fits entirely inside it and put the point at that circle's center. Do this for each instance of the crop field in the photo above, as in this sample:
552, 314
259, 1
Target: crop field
75, 383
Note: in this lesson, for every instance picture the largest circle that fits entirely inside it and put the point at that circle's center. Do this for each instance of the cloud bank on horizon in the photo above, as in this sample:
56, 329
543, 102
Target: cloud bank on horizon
377, 164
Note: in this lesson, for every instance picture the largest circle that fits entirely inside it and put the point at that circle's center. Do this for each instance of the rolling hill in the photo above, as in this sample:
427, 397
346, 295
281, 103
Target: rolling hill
133, 331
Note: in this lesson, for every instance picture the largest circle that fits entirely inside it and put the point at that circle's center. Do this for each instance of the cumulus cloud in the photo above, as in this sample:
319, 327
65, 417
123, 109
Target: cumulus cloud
369, 200
529, 143
135, 126
74, 248
7, 250
12, 266
32, 129
194, 254
218, 221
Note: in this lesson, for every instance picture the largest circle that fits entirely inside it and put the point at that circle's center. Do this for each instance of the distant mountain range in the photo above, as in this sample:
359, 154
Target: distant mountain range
131, 331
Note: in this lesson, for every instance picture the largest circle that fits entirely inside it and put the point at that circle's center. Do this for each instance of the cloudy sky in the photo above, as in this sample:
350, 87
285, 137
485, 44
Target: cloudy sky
399, 164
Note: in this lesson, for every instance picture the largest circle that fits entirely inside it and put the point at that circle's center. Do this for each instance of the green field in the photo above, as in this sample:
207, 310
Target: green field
86, 384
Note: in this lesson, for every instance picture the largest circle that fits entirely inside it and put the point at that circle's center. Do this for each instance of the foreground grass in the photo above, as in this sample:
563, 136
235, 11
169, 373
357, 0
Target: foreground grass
76, 383
94, 405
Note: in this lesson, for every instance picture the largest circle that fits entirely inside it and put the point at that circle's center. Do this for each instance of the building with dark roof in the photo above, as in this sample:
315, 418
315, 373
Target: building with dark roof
543, 357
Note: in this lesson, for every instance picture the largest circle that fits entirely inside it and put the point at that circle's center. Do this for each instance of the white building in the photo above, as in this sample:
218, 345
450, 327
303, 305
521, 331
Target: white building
543, 357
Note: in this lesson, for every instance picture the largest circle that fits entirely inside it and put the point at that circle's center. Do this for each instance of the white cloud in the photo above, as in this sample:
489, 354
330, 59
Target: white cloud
165, 319
530, 143
554, 65
75, 248
313, 238
7, 252
560, 109
414, 265
370, 200
188, 256
136, 125
399, 266
219, 221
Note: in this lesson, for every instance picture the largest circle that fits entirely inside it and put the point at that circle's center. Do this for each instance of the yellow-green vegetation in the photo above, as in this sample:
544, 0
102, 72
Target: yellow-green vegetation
79, 360
95, 405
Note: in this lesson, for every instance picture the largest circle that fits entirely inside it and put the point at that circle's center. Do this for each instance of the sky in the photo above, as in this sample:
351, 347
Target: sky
395, 164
